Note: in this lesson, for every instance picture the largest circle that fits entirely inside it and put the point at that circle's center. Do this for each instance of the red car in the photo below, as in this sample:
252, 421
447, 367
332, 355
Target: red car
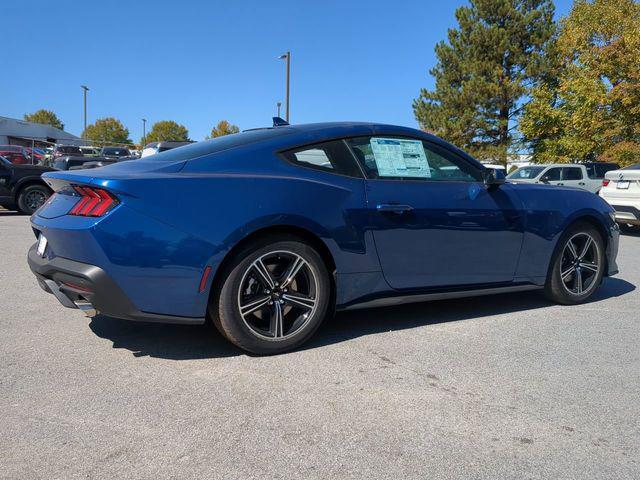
15, 154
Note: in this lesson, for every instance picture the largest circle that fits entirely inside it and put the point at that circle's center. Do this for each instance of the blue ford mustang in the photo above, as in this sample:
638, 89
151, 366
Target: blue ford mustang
267, 231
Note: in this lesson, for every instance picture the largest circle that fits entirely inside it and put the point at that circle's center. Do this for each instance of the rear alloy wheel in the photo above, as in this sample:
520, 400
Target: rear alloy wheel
578, 265
274, 298
32, 198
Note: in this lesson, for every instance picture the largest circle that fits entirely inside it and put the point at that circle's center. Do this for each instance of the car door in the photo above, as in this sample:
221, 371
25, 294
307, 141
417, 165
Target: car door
434, 222
573, 177
552, 176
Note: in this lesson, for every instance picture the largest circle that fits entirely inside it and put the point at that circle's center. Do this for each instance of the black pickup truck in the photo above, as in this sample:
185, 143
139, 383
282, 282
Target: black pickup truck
21, 187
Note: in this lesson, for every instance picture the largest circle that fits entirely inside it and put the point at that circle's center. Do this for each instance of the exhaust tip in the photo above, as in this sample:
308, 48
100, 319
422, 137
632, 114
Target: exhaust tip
86, 308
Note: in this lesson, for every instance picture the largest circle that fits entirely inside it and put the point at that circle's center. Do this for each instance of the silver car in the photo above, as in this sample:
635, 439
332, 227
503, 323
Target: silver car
587, 176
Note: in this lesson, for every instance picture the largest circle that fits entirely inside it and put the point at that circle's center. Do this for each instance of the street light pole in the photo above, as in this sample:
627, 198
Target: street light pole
144, 131
279, 104
85, 89
287, 56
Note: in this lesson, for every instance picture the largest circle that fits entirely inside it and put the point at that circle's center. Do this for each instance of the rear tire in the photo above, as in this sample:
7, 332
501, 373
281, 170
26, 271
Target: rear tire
577, 265
274, 296
32, 197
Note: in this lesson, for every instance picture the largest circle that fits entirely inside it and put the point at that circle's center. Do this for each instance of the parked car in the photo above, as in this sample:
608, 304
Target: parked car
114, 152
66, 150
621, 189
157, 147
268, 231
587, 176
21, 187
36, 155
69, 162
15, 154
89, 151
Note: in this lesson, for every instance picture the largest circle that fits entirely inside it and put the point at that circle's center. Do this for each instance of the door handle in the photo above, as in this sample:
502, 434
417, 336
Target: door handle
581, 183
560, 184
393, 208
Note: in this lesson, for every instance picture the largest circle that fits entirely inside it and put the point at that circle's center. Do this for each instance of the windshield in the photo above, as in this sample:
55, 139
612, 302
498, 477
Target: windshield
219, 144
526, 173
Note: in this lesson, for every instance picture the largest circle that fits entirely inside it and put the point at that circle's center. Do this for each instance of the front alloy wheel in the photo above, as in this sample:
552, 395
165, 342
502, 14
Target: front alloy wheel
275, 295
580, 264
577, 266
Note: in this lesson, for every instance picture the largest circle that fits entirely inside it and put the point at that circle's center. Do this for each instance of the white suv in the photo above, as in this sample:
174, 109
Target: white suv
587, 176
621, 189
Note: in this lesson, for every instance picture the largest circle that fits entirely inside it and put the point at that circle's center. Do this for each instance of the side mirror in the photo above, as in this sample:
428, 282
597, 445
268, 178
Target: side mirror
544, 179
493, 177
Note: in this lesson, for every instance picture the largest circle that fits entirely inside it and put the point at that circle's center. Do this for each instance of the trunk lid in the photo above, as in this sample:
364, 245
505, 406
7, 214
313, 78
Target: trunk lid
115, 178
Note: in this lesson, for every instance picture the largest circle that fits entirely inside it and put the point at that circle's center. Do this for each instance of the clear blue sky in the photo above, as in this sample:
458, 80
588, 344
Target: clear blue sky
199, 62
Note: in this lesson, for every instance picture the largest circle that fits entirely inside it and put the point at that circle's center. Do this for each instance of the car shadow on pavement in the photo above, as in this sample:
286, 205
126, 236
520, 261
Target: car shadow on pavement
181, 342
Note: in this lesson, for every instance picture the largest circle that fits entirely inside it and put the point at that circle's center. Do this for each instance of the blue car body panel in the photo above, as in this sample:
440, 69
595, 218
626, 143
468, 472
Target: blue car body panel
184, 210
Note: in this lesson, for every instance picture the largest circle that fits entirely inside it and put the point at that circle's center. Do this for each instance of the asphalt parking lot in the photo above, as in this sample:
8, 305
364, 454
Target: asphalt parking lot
506, 386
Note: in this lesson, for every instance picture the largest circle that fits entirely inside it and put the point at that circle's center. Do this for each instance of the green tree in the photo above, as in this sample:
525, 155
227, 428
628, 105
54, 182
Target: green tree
591, 109
45, 117
107, 130
223, 128
483, 73
166, 131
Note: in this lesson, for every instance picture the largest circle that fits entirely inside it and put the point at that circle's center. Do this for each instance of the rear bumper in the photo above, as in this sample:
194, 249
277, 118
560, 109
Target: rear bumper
627, 214
84, 286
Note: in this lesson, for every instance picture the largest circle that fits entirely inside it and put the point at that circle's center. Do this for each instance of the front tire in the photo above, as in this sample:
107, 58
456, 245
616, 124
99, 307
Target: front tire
274, 296
577, 265
32, 198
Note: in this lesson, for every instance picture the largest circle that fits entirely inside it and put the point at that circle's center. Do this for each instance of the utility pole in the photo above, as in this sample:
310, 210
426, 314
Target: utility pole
85, 89
287, 56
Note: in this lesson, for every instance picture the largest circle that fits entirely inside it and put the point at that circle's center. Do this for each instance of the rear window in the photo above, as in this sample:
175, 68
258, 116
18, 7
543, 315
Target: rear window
598, 170
120, 152
632, 167
219, 144
68, 149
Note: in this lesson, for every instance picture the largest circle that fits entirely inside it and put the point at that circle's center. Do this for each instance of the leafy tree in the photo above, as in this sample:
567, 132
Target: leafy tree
591, 110
166, 131
107, 130
484, 71
45, 117
223, 128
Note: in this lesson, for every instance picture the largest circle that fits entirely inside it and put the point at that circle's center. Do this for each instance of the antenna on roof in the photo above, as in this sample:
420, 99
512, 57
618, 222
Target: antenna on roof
279, 122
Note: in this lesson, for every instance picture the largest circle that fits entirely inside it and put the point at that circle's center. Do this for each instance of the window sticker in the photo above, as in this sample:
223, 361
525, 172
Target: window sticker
398, 157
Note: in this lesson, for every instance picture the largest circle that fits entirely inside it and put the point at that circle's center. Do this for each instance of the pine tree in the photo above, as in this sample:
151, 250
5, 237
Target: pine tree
483, 73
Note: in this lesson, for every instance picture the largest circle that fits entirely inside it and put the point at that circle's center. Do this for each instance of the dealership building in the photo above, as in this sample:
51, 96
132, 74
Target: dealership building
27, 134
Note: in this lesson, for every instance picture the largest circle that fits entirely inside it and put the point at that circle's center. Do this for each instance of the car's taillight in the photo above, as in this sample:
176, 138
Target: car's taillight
94, 202
605, 182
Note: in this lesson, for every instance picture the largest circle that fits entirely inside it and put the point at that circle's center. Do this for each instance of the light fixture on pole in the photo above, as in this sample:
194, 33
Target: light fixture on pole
287, 56
85, 90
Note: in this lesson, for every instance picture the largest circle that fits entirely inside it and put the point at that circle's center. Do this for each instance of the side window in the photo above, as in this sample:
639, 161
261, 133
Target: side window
410, 159
331, 156
553, 174
571, 173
